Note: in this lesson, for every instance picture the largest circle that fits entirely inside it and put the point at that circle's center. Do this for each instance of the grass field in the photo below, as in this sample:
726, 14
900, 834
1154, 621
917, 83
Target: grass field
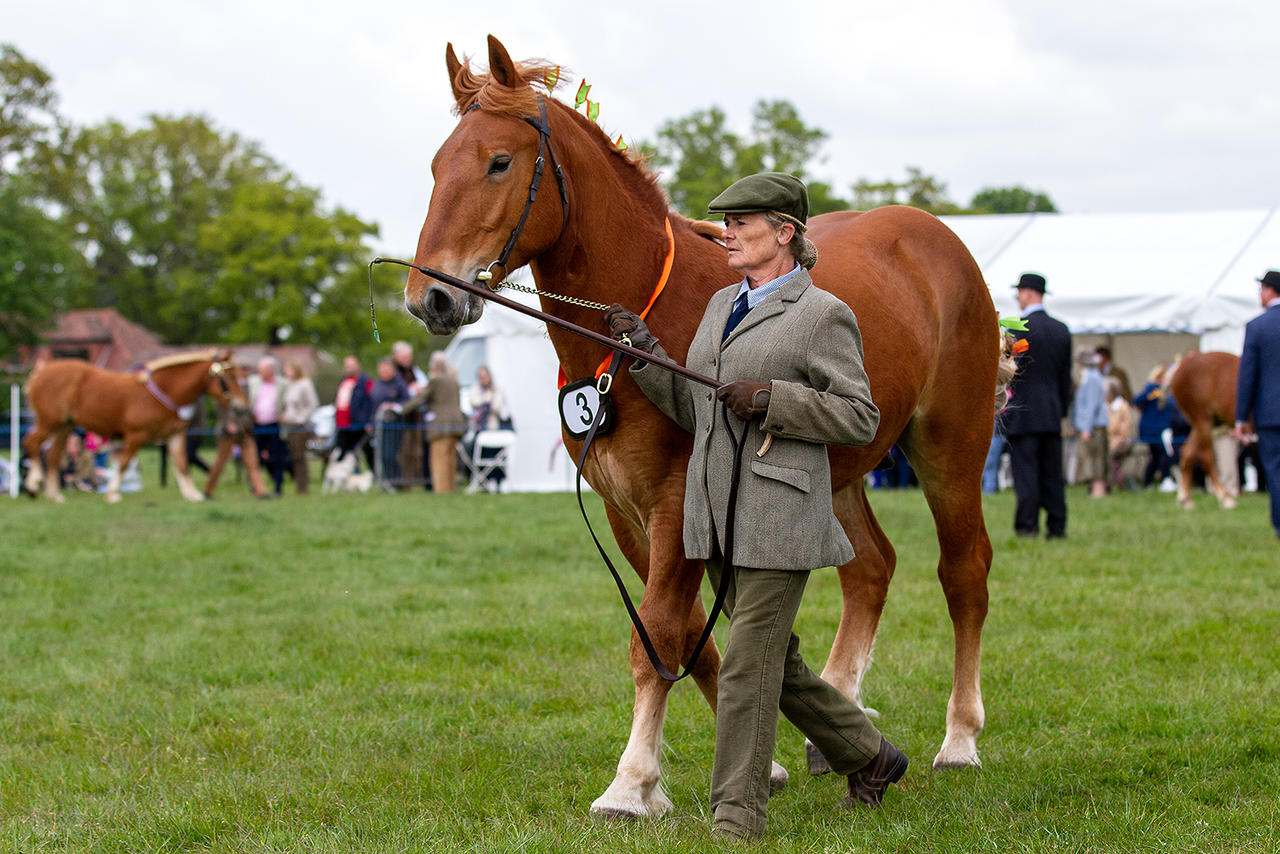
392, 673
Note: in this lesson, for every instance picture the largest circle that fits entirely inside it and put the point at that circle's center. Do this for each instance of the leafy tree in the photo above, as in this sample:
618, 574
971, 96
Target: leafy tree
1015, 199
918, 190
28, 107
40, 270
278, 253
705, 155
708, 157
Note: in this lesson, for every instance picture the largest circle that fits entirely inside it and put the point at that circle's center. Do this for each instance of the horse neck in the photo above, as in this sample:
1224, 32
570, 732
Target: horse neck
183, 384
612, 250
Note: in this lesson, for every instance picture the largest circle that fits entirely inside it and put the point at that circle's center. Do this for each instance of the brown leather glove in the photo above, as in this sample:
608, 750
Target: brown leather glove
623, 322
746, 398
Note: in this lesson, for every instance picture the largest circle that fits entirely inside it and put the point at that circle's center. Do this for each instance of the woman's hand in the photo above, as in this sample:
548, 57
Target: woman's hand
746, 398
623, 322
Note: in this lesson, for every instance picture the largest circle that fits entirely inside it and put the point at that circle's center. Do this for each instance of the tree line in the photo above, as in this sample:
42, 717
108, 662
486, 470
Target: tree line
203, 237
702, 156
190, 230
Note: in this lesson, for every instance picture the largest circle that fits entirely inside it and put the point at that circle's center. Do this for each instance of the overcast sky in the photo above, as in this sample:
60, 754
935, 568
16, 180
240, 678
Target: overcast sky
1106, 105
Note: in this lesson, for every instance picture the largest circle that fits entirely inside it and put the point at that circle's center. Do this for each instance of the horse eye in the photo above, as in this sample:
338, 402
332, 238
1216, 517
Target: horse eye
499, 164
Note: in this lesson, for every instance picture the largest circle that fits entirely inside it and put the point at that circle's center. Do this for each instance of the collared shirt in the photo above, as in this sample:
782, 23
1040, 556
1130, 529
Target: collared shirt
757, 295
1037, 307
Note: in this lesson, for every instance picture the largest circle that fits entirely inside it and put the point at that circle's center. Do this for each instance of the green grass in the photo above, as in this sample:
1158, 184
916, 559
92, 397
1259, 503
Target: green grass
390, 673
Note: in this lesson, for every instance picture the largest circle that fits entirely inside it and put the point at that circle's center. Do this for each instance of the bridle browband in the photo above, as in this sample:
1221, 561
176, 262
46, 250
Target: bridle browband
543, 127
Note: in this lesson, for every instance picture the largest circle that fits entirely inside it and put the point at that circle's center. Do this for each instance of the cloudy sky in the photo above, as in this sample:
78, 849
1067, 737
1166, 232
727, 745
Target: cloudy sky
1106, 105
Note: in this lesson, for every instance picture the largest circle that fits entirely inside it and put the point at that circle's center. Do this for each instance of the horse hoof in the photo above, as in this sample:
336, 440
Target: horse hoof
57, 497
956, 759
1228, 503
113, 498
817, 762
612, 814
778, 777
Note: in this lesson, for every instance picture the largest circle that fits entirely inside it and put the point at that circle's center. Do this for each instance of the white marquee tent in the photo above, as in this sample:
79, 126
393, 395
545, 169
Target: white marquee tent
1150, 285
1110, 274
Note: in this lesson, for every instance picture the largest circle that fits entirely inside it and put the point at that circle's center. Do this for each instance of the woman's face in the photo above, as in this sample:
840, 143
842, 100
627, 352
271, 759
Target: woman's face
482, 377
752, 242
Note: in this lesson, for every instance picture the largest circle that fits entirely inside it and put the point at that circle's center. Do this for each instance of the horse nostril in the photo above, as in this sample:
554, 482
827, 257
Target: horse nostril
438, 303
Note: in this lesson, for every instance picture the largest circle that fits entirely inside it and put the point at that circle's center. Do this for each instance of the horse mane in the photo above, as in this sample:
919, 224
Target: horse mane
478, 89
473, 88
181, 359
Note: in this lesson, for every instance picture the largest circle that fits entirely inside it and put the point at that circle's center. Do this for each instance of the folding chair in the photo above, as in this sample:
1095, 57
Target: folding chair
490, 455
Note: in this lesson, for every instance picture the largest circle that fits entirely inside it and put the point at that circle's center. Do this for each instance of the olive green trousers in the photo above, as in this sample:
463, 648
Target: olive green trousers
763, 672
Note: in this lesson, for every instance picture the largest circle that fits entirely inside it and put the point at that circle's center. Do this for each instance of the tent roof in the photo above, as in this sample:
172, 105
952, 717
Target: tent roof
1136, 272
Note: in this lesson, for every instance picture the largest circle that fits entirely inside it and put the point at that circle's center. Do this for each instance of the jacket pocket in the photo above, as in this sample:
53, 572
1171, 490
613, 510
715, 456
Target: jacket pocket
799, 478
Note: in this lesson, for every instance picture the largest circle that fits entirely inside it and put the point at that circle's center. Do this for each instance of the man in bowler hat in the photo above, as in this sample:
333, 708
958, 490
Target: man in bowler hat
1258, 386
1039, 396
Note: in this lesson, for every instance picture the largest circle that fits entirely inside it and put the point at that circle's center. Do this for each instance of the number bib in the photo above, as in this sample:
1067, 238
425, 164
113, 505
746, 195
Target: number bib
580, 402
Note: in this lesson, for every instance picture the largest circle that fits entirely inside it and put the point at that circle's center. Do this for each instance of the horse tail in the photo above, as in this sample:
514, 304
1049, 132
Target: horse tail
1007, 367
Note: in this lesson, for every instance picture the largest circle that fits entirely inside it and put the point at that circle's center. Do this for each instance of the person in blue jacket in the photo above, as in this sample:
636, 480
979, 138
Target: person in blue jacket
1155, 409
1258, 386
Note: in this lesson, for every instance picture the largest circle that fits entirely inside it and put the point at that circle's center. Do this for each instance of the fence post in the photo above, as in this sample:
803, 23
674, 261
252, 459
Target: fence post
15, 425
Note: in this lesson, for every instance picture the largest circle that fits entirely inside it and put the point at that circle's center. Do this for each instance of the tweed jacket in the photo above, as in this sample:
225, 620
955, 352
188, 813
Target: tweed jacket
806, 342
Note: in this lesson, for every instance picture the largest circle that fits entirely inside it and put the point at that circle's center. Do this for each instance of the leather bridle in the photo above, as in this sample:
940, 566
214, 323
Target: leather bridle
543, 127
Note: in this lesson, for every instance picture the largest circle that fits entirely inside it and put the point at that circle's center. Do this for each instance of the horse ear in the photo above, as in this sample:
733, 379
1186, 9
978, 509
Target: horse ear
501, 68
451, 62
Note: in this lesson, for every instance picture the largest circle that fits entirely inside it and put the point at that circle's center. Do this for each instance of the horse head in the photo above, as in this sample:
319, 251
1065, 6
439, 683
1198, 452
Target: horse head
485, 212
222, 385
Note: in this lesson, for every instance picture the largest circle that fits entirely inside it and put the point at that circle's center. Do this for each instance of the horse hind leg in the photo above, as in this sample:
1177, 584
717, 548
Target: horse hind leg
178, 454
864, 586
123, 458
1225, 449
950, 478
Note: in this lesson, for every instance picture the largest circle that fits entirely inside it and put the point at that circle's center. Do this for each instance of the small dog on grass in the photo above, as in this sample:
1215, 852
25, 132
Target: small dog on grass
340, 475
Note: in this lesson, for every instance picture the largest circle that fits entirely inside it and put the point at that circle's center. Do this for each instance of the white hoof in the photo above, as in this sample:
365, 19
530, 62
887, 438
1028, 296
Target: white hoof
778, 777
620, 803
1228, 503
113, 498
960, 753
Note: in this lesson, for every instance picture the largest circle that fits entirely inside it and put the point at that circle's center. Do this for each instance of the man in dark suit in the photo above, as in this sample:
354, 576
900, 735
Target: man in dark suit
1258, 386
1039, 396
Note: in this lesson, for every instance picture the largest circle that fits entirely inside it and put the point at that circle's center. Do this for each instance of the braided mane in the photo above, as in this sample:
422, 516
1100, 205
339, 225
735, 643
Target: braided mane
181, 359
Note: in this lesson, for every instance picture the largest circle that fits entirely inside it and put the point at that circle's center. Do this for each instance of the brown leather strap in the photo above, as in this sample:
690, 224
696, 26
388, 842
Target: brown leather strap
725, 576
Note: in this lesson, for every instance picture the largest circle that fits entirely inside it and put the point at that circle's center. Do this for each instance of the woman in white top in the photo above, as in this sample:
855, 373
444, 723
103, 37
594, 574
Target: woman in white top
488, 407
300, 403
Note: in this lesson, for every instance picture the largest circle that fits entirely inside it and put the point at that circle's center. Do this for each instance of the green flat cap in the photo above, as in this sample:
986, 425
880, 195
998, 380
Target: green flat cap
765, 191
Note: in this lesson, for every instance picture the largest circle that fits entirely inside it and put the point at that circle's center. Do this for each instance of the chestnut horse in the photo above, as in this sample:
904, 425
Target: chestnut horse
141, 407
1204, 387
601, 230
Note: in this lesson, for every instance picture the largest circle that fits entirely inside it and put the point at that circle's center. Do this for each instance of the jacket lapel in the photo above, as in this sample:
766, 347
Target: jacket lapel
773, 305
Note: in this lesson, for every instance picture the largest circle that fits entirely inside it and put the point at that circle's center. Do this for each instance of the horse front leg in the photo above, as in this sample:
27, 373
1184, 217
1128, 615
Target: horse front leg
864, 586
53, 464
31, 443
671, 590
177, 445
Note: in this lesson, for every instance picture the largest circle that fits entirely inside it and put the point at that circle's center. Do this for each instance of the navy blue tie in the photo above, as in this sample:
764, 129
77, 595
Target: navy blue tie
735, 317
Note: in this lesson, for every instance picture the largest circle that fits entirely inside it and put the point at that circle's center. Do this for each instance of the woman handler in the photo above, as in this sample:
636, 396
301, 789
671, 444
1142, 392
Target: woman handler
790, 357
